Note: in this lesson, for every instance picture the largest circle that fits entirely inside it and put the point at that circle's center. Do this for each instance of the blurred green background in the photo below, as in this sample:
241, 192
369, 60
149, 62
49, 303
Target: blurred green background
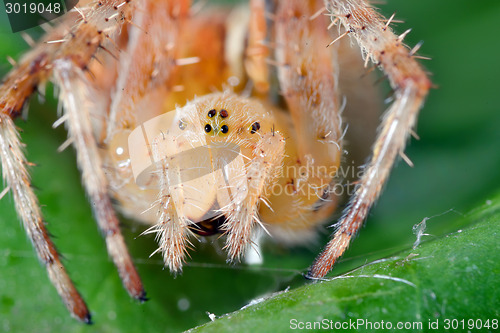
457, 164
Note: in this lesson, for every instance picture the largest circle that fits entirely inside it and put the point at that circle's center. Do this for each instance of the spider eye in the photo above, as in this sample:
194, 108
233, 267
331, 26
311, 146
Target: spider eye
223, 113
212, 113
182, 125
208, 128
255, 127
224, 129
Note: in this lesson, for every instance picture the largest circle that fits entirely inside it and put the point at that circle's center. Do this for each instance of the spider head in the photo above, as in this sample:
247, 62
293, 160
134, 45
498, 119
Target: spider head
229, 117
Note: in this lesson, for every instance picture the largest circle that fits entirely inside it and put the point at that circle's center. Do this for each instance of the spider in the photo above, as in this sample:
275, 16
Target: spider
199, 122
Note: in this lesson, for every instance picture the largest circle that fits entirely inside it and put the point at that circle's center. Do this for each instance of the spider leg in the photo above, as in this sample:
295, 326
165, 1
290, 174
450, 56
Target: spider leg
410, 84
147, 63
241, 217
256, 52
65, 52
308, 77
172, 230
27, 206
77, 99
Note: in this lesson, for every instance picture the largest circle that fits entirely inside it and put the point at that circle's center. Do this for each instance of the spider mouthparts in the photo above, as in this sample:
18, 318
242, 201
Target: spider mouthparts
208, 227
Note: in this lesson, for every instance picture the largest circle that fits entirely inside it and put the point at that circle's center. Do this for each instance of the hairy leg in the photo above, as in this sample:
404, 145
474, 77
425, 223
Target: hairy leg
265, 164
308, 78
17, 179
76, 96
410, 85
73, 44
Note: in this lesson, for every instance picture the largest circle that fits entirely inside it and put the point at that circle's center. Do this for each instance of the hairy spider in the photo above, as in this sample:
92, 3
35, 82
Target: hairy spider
200, 122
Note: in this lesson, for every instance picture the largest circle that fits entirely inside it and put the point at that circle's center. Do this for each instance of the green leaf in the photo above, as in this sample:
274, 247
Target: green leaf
441, 279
